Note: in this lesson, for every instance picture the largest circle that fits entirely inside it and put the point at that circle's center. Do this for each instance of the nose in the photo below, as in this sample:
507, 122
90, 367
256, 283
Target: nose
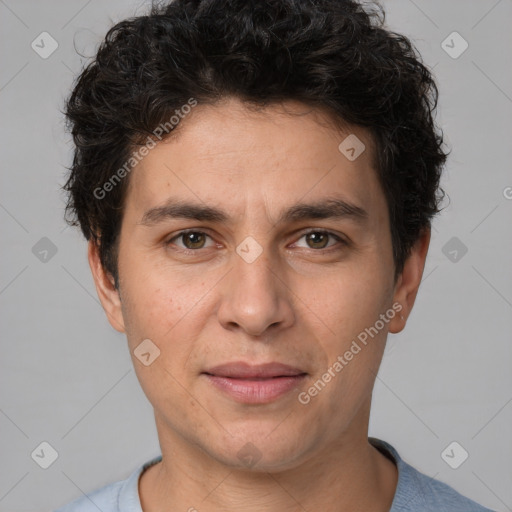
255, 297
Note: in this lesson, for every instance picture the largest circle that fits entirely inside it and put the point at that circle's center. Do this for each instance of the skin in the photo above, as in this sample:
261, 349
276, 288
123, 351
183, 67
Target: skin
301, 302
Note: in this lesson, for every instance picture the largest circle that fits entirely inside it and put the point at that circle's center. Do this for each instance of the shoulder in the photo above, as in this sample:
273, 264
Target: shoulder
417, 491
121, 496
434, 495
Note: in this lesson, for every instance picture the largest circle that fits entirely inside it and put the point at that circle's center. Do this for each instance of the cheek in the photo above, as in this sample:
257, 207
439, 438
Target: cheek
349, 308
166, 308
155, 297
159, 313
351, 301
149, 312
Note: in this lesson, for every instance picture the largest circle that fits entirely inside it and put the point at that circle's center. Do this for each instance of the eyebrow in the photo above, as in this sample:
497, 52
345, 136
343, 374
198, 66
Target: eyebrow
329, 208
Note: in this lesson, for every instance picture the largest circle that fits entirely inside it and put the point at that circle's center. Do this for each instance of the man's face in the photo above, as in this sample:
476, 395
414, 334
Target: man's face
255, 287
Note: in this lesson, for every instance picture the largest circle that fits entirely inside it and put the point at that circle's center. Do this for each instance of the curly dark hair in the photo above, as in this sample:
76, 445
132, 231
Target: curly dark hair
334, 55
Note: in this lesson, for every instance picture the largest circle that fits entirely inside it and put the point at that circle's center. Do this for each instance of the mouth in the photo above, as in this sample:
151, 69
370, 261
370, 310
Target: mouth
255, 384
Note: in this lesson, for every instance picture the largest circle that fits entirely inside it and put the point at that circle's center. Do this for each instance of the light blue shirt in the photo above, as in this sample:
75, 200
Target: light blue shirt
415, 492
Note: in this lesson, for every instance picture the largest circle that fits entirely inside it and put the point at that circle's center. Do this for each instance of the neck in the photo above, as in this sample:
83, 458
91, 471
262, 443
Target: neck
353, 475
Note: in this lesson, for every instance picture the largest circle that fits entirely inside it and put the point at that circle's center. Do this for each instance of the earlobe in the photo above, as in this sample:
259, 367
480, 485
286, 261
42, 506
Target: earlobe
408, 282
105, 287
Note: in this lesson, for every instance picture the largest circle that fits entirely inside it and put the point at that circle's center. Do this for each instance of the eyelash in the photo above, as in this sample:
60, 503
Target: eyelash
318, 231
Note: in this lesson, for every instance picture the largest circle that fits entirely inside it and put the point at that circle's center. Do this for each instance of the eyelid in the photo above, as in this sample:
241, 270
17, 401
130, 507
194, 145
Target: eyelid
179, 234
337, 237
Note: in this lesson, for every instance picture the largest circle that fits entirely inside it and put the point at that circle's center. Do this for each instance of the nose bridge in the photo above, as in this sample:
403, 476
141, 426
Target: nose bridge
255, 267
256, 297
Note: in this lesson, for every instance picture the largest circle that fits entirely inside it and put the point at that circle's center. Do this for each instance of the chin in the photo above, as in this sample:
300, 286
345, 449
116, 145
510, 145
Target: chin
254, 449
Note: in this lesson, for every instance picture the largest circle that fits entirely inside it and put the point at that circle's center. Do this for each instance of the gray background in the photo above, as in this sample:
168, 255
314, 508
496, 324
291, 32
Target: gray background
66, 375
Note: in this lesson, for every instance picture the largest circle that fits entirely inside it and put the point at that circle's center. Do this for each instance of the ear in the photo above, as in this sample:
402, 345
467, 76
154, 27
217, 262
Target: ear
105, 287
409, 281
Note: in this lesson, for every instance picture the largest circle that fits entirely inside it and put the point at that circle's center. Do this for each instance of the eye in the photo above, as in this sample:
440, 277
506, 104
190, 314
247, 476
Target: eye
319, 239
191, 240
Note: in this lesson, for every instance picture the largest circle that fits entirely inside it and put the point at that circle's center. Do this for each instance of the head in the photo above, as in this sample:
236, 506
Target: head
295, 142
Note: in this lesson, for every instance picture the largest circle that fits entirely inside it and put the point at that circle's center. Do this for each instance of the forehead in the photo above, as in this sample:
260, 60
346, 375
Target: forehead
223, 152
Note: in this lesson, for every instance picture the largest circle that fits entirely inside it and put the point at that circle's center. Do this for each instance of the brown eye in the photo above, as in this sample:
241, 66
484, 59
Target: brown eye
321, 239
193, 240
189, 240
317, 239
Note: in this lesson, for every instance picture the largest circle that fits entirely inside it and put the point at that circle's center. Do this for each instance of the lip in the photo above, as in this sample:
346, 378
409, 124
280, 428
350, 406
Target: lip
255, 384
242, 370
